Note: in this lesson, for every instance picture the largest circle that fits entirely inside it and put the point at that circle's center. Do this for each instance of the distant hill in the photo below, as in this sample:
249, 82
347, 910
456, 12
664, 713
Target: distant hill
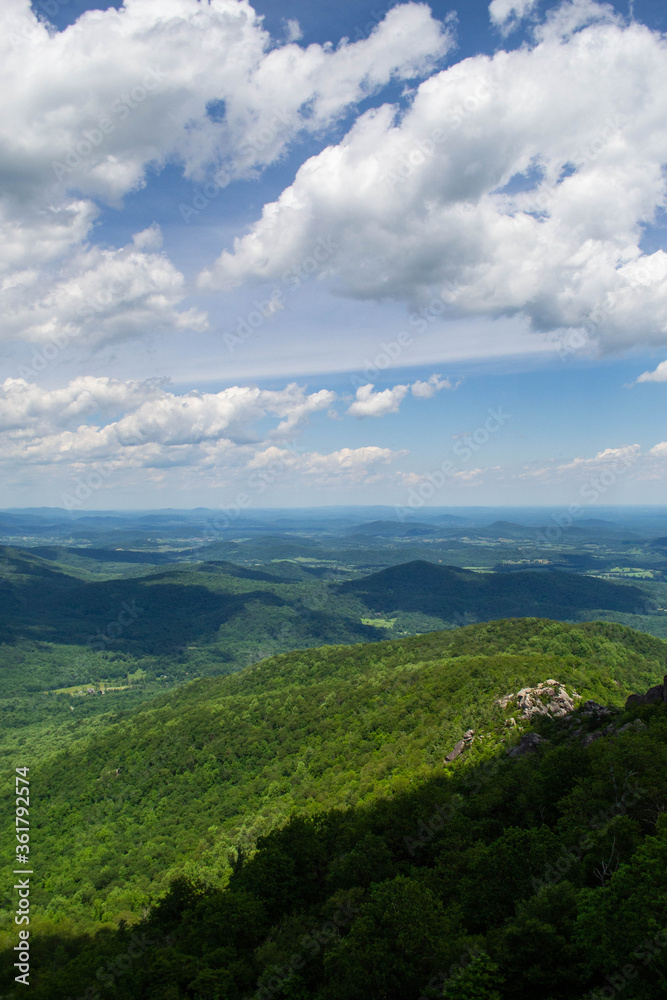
393, 529
452, 593
241, 612
65, 552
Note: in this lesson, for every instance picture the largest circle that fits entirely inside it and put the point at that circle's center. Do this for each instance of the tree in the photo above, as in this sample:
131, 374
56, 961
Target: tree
480, 980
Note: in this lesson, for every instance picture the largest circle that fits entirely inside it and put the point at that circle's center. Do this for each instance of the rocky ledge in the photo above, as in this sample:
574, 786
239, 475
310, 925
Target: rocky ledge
549, 698
653, 695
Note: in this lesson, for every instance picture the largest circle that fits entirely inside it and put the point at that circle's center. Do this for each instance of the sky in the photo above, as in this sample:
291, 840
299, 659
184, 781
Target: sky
292, 253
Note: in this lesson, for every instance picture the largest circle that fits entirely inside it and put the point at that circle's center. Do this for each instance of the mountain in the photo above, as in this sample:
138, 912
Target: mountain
398, 875
452, 593
172, 786
165, 611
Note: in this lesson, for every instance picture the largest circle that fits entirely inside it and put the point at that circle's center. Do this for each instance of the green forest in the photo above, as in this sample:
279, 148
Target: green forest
297, 764
294, 830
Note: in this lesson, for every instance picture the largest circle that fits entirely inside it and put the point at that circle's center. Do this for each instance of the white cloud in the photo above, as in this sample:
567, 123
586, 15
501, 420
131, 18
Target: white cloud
99, 432
377, 404
572, 15
88, 111
517, 184
611, 462
369, 403
610, 456
99, 296
92, 106
95, 422
27, 407
47, 425
506, 14
659, 375
433, 385
343, 467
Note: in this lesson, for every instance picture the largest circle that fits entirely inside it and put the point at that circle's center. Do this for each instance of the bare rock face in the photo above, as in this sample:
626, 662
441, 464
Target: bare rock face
548, 698
528, 744
453, 754
653, 695
611, 730
591, 708
460, 746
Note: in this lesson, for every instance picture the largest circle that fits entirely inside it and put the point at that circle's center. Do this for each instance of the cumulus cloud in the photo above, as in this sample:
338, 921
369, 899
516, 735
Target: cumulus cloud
518, 184
88, 111
610, 456
203, 83
25, 406
377, 404
369, 403
99, 296
432, 386
48, 425
95, 423
563, 20
659, 375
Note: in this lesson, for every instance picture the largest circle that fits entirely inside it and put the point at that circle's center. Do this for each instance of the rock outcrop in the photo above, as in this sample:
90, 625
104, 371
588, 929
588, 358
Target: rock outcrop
652, 696
460, 746
611, 730
548, 698
528, 744
592, 708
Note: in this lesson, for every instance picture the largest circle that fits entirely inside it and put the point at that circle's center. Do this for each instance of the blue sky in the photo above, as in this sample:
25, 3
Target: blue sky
240, 248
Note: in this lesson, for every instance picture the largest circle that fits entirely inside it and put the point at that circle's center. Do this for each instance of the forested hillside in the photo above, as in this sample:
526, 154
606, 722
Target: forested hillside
451, 593
172, 786
495, 877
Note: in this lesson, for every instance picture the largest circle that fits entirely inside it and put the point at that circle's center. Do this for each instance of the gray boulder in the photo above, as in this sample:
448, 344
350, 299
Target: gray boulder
528, 744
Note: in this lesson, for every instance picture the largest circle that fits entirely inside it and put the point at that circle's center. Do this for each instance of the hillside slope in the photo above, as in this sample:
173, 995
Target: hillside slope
500, 879
172, 786
452, 593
